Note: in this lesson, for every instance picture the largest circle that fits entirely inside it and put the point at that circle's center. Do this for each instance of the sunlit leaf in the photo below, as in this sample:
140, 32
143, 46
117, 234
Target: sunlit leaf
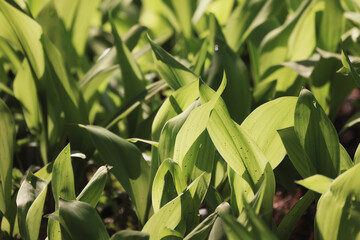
25, 91
170, 215
317, 183
338, 212
23, 31
245, 18
62, 180
160, 187
262, 125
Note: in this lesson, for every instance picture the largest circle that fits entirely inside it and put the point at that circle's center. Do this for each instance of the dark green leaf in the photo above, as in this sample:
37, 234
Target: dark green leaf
317, 135
7, 140
80, 221
129, 167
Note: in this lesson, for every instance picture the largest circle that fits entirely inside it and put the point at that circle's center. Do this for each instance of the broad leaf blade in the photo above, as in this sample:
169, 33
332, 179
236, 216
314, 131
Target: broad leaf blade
234, 144
317, 183
262, 125
237, 95
80, 221
62, 181
129, 167
30, 202
171, 214
27, 33
160, 188
25, 91
338, 211
317, 135
296, 153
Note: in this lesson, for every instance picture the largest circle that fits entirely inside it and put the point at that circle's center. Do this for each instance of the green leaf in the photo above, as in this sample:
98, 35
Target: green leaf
175, 104
302, 39
290, 220
218, 230
30, 202
130, 235
81, 221
325, 82
353, 120
239, 186
25, 33
233, 229
262, 125
135, 140
317, 135
62, 180
338, 211
133, 103
237, 95
296, 153
6, 89
183, 11
317, 183
236, 230
348, 65
8, 52
264, 92
132, 76
345, 160
195, 125
80, 24
261, 202
233, 143
106, 63
170, 131
201, 232
26, 93
45, 172
172, 71
67, 87
7, 140
171, 214
357, 155
200, 58
275, 47
129, 167
245, 18
160, 188
92, 191
332, 26
200, 158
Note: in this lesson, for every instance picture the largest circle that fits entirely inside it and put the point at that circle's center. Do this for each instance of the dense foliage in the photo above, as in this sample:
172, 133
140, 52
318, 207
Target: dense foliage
129, 114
